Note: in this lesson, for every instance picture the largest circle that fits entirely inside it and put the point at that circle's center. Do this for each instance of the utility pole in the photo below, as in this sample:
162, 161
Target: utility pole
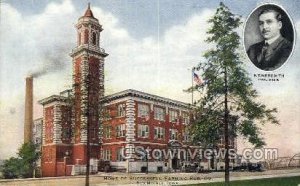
193, 69
226, 128
87, 173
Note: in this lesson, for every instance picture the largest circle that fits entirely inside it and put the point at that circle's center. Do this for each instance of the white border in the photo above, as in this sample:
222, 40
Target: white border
294, 31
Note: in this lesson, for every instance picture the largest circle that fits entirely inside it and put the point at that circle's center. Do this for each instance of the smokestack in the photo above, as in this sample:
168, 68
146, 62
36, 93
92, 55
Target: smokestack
28, 119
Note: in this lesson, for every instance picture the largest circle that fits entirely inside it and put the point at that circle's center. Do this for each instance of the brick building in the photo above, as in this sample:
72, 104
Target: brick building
122, 126
137, 119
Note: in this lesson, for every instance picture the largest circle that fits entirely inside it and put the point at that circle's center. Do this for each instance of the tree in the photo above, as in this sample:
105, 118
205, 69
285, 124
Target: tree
24, 164
229, 103
11, 168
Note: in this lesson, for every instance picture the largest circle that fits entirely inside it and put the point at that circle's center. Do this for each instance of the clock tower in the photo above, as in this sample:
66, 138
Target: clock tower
88, 86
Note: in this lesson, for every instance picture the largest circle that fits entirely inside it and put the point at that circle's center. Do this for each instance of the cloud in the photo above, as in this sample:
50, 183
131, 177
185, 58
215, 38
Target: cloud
35, 45
155, 64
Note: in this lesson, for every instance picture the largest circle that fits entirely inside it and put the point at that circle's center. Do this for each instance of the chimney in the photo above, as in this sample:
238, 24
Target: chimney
28, 119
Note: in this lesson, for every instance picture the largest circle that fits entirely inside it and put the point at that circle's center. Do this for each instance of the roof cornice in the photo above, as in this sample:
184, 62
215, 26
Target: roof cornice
139, 94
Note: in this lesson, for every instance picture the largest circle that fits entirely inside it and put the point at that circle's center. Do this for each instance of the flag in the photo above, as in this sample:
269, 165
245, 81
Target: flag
197, 79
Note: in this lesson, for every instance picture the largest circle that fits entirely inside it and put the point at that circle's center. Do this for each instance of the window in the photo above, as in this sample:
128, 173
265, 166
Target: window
157, 155
93, 133
143, 110
173, 134
159, 114
121, 154
188, 155
173, 115
107, 132
159, 133
79, 39
186, 136
66, 133
105, 114
121, 130
143, 131
121, 110
86, 36
185, 118
94, 38
107, 155
222, 140
66, 113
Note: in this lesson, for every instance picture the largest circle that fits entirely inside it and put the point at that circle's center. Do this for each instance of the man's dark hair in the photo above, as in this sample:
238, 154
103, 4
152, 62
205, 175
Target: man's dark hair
276, 13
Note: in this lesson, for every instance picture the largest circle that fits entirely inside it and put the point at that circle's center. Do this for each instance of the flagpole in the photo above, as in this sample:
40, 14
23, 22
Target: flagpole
193, 85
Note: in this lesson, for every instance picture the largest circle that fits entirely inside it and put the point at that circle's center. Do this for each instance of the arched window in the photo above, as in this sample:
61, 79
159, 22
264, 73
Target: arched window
86, 36
94, 38
79, 39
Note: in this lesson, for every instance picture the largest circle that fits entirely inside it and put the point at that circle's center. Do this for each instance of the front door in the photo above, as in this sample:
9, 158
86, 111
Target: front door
175, 163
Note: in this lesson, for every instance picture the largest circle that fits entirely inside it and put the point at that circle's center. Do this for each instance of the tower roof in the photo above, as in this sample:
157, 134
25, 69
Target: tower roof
88, 12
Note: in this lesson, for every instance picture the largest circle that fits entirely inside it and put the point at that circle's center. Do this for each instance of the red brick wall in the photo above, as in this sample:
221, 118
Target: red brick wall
77, 104
156, 123
60, 169
63, 169
49, 118
48, 161
114, 122
79, 153
94, 88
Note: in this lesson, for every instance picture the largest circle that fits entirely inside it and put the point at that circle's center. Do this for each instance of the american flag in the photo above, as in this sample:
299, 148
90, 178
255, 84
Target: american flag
197, 79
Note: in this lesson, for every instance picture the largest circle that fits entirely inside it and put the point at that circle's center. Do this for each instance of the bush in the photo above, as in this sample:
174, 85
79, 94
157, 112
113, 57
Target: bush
23, 165
11, 168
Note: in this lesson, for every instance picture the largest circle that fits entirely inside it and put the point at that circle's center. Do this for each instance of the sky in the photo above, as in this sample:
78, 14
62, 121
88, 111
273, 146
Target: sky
152, 46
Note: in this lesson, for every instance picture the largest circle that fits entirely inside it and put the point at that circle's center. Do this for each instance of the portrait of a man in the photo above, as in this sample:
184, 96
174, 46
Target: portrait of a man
274, 49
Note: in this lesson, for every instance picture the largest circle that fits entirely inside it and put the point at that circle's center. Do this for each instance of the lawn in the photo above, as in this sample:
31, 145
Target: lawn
286, 181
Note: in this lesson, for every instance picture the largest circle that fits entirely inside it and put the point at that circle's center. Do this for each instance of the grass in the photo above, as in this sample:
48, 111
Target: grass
285, 181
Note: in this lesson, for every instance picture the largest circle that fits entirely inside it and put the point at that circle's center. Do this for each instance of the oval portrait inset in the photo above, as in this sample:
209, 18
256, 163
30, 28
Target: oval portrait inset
269, 37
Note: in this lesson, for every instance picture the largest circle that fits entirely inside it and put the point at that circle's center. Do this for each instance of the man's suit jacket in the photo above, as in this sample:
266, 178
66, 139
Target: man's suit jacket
275, 54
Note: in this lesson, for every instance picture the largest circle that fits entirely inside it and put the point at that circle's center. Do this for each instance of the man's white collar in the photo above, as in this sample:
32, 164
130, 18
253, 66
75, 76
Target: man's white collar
272, 40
